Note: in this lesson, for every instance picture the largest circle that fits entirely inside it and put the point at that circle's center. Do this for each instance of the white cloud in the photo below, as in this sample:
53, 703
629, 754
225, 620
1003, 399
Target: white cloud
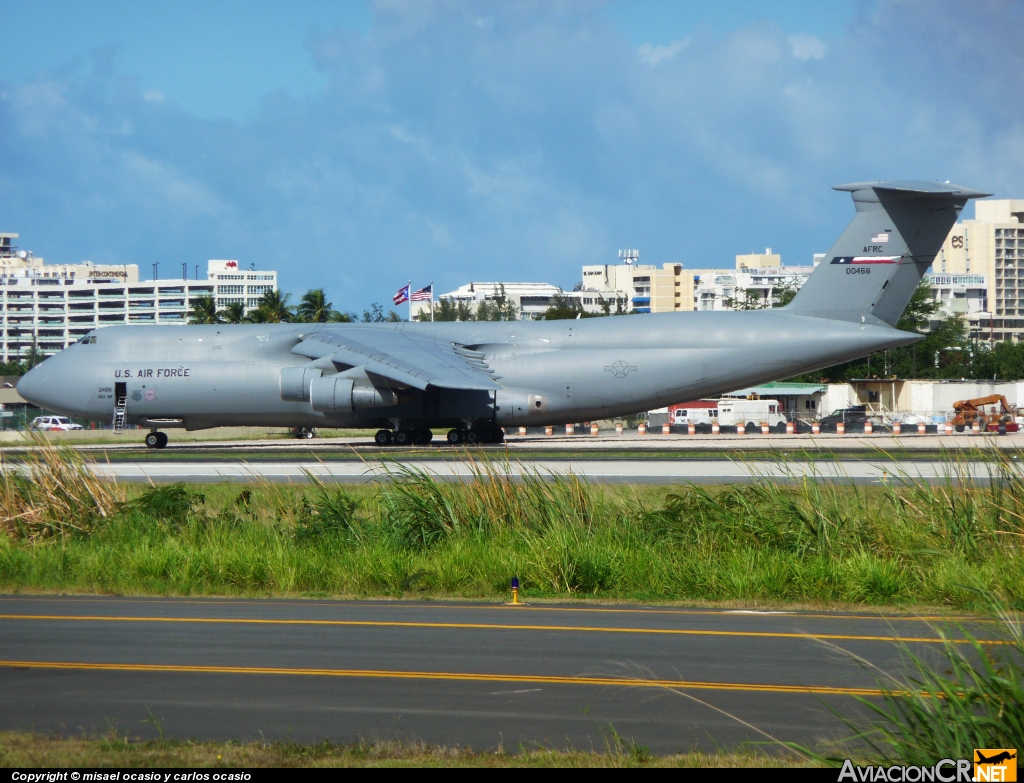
652, 55
806, 47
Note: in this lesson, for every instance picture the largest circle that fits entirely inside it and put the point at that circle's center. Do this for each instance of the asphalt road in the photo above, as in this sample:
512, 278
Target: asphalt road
633, 471
446, 673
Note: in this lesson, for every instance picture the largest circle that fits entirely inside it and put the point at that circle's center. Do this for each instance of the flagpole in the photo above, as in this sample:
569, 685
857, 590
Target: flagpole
431, 301
409, 293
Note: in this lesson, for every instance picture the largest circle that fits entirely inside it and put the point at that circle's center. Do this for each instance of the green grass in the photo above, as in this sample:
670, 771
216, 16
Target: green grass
808, 542
20, 749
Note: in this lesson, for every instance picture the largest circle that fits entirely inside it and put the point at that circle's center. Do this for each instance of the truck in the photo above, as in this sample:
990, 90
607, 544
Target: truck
729, 413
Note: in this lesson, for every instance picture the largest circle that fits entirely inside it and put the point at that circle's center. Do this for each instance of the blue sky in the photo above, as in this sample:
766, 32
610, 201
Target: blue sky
357, 145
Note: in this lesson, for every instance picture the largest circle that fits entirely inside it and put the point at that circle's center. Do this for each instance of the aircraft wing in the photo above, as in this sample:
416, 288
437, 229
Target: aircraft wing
413, 360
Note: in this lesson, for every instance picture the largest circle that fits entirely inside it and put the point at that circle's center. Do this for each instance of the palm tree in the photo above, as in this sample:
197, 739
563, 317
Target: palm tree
275, 305
257, 316
204, 311
233, 313
315, 308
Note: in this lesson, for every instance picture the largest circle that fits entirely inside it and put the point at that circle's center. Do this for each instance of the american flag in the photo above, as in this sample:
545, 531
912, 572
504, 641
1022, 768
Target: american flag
401, 296
425, 294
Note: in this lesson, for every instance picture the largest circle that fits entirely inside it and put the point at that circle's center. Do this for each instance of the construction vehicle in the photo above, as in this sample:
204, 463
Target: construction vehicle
970, 411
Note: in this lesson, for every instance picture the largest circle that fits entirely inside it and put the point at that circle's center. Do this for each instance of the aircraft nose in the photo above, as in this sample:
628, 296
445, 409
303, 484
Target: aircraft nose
47, 387
32, 385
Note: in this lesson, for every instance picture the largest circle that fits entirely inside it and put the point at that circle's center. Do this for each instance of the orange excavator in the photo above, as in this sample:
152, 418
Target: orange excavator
970, 411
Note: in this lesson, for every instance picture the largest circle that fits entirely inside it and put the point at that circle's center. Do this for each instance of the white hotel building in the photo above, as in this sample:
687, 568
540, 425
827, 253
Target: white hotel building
53, 305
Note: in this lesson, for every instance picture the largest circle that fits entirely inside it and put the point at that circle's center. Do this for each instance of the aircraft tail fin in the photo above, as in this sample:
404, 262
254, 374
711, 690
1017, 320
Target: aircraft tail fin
872, 270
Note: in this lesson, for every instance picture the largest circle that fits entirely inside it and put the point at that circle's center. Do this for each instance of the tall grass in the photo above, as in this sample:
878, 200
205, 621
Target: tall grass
965, 696
53, 493
905, 542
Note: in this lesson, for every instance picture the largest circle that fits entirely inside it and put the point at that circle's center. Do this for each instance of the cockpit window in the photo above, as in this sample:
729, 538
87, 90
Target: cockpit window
89, 339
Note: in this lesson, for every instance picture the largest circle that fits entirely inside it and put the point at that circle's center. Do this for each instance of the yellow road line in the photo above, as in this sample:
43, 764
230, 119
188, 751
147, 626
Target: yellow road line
522, 608
481, 626
462, 676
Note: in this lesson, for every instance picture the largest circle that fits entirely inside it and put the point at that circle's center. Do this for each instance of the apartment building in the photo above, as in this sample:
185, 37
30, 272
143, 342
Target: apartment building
645, 287
51, 306
983, 259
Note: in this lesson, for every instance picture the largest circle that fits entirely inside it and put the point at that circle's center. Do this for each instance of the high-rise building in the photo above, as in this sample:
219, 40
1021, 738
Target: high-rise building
979, 272
47, 307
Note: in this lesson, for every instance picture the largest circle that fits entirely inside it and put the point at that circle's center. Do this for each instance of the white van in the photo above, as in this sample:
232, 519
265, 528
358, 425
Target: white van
695, 414
751, 413
730, 413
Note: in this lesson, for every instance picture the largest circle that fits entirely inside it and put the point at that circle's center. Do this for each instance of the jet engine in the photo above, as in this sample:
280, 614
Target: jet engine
332, 394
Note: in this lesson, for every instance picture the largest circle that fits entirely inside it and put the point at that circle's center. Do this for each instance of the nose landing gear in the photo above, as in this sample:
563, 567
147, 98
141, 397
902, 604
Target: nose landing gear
156, 440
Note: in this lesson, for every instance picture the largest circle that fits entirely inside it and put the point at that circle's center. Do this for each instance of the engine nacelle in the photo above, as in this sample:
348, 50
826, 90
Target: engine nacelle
519, 406
296, 382
331, 394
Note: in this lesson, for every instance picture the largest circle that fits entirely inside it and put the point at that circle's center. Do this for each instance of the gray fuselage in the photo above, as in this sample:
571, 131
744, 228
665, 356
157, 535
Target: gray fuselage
549, 372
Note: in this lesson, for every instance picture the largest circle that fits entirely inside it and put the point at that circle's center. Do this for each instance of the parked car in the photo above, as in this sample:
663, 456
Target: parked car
62, 423
853, 418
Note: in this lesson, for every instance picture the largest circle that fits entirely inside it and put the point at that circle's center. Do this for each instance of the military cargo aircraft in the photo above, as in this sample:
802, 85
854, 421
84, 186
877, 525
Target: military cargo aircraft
473, 378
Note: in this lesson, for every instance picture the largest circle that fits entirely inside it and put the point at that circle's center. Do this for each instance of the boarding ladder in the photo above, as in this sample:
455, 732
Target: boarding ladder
119, 413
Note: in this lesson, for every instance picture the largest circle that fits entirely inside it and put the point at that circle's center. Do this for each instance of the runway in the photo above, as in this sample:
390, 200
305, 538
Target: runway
638, 471
446, 673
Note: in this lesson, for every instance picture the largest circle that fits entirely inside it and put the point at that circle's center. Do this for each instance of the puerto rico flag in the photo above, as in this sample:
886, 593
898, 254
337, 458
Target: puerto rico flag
425, 294
401, 296
866, 260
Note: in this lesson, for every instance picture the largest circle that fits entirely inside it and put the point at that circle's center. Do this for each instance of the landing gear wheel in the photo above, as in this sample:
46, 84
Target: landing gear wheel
422, 436
156, 440
497, 435
383, 438
404, 438
427, 435
472, 436
455, 437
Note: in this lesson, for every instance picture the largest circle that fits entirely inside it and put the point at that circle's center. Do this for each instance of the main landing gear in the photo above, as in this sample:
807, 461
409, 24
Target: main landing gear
476, 435
156, 440
419, 437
